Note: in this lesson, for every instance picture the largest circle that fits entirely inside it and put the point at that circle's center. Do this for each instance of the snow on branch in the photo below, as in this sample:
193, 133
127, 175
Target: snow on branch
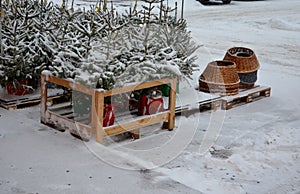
99, 48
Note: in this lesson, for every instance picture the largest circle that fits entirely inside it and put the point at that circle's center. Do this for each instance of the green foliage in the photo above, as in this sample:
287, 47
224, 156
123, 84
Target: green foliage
99, 48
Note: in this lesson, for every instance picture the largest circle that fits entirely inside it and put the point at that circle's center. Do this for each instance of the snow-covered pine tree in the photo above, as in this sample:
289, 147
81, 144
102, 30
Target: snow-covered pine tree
14, 66
98, 69
87, 28
69, 48
105, 48
147, 49
38, 41
45, 44
178, 39
3, 20
28, 41
148, 55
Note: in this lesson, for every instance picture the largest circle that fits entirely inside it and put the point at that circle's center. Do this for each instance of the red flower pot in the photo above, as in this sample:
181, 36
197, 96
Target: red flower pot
150, 105
155, 105
17, 88
109, 115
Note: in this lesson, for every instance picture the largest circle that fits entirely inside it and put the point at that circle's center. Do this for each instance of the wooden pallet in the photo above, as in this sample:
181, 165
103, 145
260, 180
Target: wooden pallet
245, 96
16, 102
23, 103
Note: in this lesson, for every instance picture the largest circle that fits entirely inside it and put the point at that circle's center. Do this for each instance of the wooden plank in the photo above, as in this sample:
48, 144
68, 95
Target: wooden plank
172, 104
215, 105
44, 91
211, 104
13, 106
82, 130
136, 124
249, 99
266, 92
69, 84
97, 115
61, 108
136, 87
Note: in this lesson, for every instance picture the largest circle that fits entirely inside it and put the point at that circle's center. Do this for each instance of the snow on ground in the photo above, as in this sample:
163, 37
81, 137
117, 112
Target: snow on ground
257, 147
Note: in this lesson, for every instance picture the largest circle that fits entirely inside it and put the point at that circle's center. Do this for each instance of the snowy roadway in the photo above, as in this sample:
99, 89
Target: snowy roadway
257, 149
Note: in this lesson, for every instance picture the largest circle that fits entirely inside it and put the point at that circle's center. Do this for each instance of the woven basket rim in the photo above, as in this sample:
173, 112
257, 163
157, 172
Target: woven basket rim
249, 71
213, 63
256, 69
241, 47
222, 83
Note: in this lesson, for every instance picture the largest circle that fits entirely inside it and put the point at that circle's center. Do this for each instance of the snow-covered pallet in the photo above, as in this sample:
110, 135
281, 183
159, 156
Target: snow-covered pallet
16, 102
189, 99
245, 96
209, 104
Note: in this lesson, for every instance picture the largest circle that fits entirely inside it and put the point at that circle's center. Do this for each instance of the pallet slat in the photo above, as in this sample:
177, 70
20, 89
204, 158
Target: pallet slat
244, 97
211, 104
63, 123
136, 124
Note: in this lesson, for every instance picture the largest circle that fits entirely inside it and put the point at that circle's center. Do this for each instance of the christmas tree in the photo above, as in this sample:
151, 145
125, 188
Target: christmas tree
98, 47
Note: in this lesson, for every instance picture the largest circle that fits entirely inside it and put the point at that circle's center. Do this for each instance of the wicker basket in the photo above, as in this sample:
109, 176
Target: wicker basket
247, 80
247, 65
220, 77
244, 58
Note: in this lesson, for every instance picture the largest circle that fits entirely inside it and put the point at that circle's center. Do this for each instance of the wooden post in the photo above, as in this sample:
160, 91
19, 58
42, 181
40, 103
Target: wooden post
182, 8
44, 91
97, 115
172, 104
135, 133
214, 105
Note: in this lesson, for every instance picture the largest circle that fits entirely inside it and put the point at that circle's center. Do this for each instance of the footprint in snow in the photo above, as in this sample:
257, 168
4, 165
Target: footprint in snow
221, 153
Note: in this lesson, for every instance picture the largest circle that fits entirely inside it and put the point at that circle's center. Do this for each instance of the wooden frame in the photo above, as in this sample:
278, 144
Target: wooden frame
96, 127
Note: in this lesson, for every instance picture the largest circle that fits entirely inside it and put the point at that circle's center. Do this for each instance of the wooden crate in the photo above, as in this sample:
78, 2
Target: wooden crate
245, 96
95, 128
